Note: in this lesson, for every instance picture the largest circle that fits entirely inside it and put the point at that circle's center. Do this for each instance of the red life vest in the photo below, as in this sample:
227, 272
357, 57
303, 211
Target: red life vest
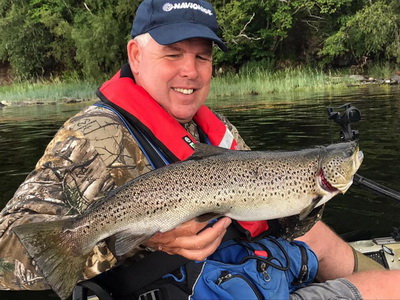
123, 92
125, 95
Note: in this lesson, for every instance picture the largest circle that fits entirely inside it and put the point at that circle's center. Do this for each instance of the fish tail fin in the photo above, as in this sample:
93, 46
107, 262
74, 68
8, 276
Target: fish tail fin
49, 245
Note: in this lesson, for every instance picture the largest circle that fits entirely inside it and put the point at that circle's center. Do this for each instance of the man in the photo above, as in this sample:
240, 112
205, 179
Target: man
165, 86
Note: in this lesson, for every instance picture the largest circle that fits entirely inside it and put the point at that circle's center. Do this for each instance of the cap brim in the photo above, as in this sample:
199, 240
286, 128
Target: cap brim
173, 33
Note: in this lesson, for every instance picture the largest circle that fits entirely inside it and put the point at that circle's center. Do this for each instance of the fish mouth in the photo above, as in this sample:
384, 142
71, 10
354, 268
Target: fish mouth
324, 183
360, 158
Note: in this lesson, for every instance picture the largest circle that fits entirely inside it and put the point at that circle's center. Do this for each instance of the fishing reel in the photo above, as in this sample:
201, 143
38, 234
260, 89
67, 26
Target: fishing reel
350, 115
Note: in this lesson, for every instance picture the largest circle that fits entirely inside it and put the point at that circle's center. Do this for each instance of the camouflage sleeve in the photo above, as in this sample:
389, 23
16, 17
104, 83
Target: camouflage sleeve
91, 154
88, 156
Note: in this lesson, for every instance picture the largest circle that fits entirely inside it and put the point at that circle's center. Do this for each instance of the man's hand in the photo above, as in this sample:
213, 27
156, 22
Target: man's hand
187, 240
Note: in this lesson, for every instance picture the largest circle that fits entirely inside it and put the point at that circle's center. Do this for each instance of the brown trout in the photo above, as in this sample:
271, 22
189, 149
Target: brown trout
243, 185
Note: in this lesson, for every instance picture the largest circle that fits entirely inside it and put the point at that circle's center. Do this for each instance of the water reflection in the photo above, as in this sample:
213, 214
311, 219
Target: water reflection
279, 122
302, 122
24, 134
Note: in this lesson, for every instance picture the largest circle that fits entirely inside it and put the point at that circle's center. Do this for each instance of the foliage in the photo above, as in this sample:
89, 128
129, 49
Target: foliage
40, 37
100, 34
372, 31
33, 38
256, 30
75, 39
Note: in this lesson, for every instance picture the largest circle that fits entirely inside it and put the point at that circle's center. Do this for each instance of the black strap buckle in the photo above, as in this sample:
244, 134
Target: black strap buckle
151, 295
83, 289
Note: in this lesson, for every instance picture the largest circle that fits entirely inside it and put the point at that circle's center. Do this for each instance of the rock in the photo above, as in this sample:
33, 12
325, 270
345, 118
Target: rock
357, 77
31, 102
71, 100
391, 82
396, 78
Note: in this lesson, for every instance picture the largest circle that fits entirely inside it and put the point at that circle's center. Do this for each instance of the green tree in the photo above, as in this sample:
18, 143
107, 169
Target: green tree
44, 37
373, 31
101, 31
256, 31
23, 42
35, 36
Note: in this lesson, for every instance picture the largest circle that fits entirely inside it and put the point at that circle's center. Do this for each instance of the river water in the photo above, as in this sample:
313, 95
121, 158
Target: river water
287, 121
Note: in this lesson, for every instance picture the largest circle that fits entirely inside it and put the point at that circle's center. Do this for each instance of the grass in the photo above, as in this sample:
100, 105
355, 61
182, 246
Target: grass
382, 70
47, 91
248, 81
256, 81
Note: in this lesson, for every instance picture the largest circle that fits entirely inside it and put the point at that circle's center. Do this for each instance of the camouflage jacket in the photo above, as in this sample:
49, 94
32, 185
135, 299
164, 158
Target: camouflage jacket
91, 154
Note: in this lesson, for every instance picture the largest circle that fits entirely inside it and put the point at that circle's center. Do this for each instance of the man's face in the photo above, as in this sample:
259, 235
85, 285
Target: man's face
177, 76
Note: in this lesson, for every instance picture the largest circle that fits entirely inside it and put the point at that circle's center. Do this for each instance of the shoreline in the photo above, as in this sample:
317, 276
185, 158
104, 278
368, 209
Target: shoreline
262, 83
32, 102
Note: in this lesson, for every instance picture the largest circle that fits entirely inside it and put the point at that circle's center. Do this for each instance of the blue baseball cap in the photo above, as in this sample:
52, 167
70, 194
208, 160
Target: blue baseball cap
172, 21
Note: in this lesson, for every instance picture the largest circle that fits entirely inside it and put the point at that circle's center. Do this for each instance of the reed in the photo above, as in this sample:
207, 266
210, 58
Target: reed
47, 91
382, 70
248, 81
258, 81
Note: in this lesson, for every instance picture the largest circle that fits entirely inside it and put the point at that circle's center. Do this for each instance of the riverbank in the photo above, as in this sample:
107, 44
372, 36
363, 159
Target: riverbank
47, 92
245, 83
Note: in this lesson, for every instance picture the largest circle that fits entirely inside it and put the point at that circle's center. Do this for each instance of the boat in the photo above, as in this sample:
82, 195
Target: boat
384, 250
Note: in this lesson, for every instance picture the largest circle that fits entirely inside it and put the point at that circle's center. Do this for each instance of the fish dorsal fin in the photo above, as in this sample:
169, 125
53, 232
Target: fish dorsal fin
306, 211
204, 150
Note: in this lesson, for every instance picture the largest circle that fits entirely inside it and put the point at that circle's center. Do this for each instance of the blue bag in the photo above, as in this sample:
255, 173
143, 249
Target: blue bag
267, 269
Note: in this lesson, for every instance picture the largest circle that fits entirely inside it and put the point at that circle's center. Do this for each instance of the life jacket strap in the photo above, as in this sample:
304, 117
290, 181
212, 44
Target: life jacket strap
154, 155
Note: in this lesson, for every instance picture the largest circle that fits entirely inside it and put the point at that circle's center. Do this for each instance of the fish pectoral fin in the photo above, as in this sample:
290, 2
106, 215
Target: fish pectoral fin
125, 241
306, 211
207, 217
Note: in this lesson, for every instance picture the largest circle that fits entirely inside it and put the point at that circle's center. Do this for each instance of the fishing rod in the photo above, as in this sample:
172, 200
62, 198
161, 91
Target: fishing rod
352, 115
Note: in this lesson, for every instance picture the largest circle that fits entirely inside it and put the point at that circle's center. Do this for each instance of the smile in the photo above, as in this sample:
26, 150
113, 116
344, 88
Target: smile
184, 91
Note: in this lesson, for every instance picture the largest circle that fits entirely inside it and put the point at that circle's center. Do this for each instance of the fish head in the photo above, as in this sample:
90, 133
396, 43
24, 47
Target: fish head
337, 166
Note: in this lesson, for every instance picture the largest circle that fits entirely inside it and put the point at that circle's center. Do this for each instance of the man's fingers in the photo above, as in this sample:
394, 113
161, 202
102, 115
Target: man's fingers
188, 228
201, 253
204, 238
193, 246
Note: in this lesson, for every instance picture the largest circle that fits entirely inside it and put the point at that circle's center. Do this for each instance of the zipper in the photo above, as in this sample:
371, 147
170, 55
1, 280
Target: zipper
303, 274
262, 267
226, 276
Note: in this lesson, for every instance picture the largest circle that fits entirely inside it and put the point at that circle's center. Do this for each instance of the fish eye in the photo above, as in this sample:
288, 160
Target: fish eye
349, 152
